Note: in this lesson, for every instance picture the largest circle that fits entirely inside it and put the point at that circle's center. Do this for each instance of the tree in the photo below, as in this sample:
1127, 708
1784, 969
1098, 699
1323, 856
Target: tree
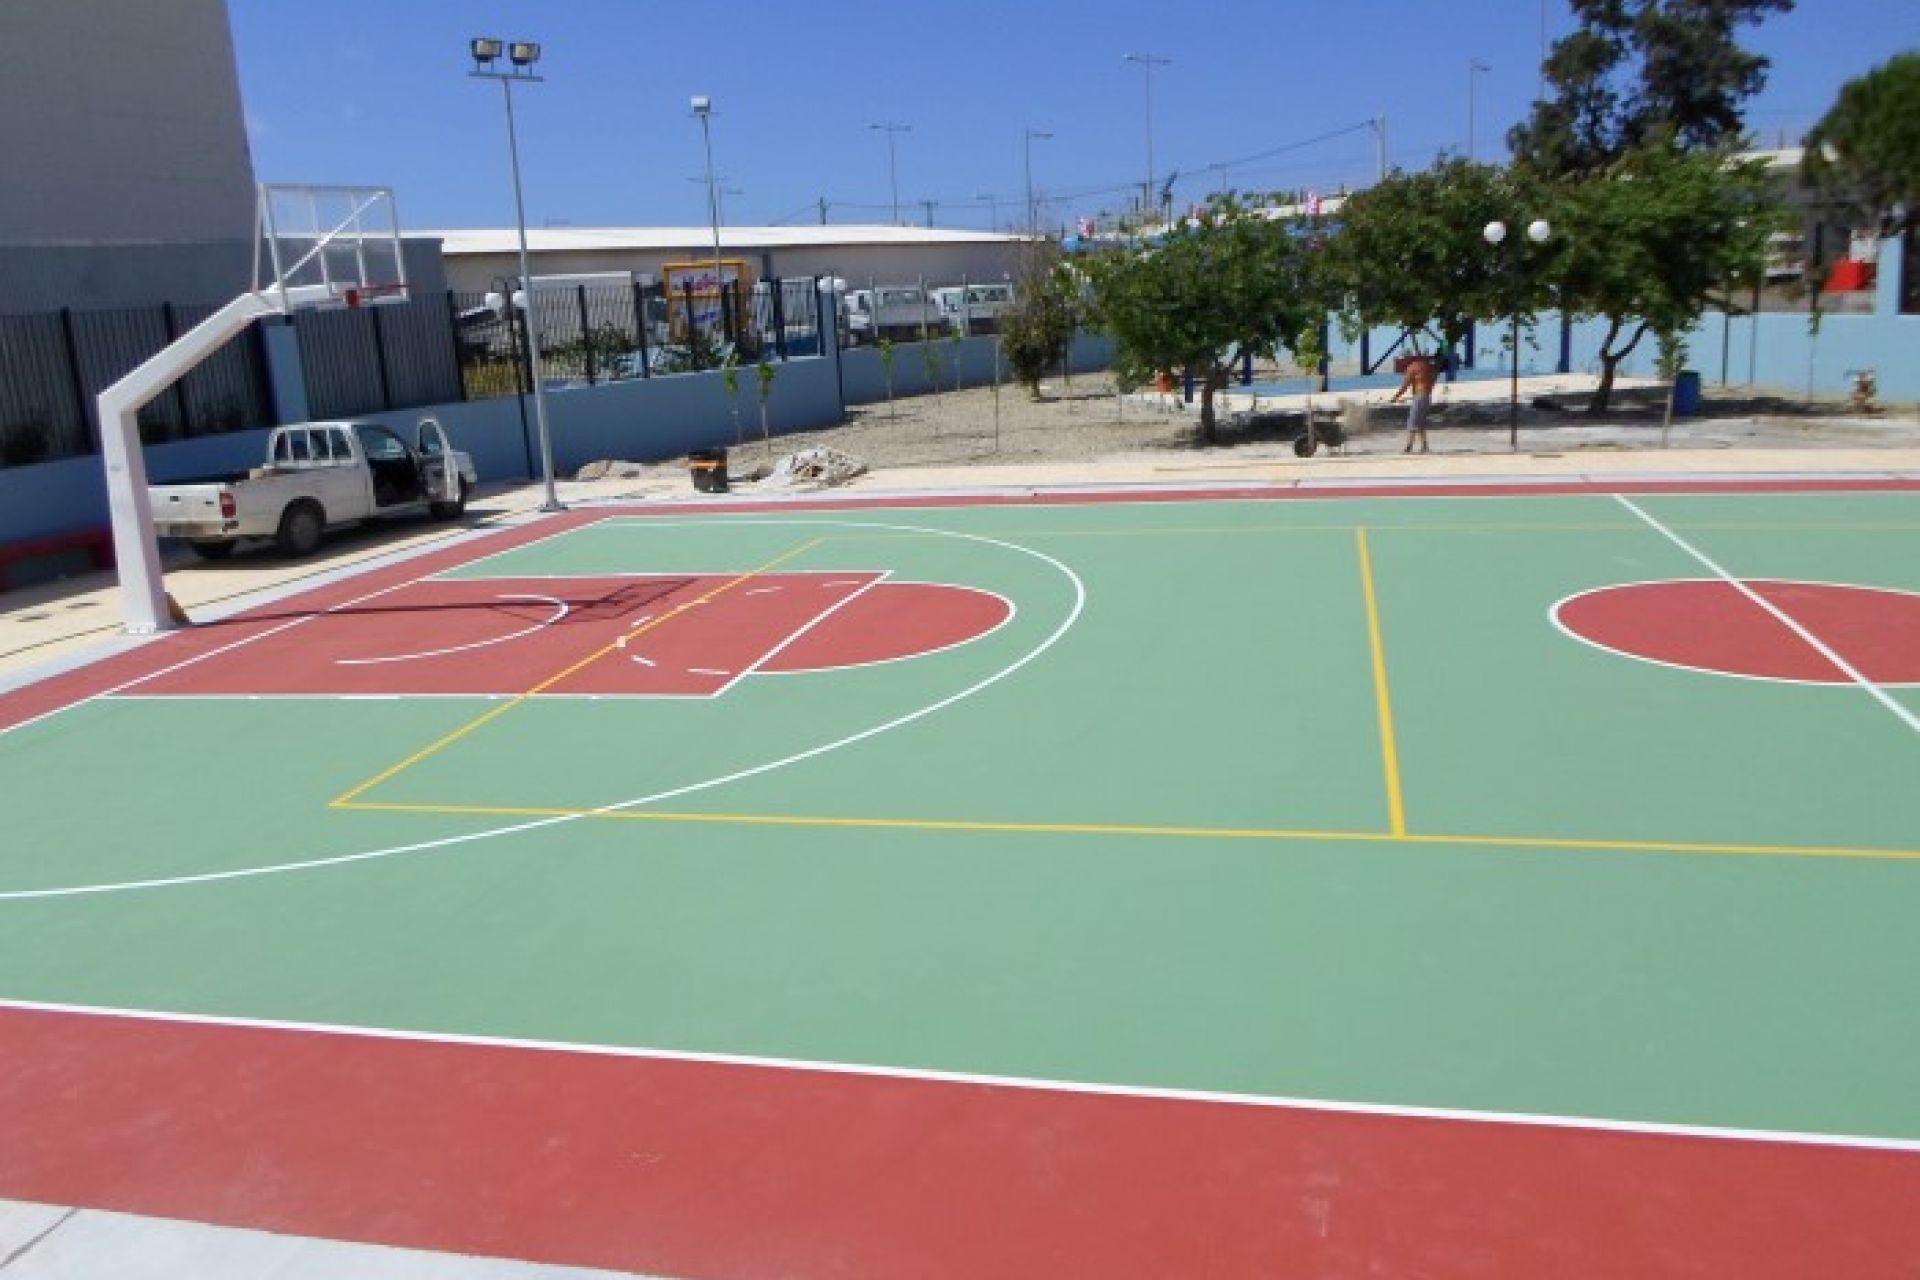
1036, 331
1411, 251
1229, 281
1865, 153
1650, 245
1637, 72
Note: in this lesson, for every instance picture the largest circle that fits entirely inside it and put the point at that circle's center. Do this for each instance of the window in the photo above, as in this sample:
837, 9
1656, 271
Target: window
380, 444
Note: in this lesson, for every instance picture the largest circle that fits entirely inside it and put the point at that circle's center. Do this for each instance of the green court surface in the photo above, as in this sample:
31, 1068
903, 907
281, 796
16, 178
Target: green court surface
1308, 799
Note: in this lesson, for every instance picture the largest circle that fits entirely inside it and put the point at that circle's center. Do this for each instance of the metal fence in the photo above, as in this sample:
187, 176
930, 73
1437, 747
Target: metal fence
591, 334
433, 349
393, 356
54, 364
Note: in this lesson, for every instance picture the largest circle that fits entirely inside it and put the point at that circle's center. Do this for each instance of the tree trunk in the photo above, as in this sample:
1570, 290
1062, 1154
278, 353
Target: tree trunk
1603, 393
1610, 362
1207, 434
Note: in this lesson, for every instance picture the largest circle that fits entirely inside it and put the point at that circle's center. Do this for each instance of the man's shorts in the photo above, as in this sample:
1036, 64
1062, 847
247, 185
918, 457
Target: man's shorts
1417, 415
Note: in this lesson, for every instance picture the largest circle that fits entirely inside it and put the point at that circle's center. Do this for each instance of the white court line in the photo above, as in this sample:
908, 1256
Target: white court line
1846, 668
1066, 624
211, 653
561, 609
1013, 611
1333, 1106
1560, 624
861, 588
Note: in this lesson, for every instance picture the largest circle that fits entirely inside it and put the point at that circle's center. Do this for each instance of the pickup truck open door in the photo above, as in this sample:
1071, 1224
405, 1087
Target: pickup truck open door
445, 489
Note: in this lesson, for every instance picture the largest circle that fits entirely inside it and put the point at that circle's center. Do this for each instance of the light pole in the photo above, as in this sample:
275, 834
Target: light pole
703, 111
1029, 134
1474, 68
1539, 231
505, 301
1379, 125
721, 191
993, 204
1147, 63
890, 127
521, 55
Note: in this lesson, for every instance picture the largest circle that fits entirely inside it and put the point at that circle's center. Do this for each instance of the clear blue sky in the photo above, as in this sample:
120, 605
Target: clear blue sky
376, 92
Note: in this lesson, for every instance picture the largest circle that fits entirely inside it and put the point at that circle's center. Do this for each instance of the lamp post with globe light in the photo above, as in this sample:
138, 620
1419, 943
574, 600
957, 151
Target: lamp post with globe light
1539, 231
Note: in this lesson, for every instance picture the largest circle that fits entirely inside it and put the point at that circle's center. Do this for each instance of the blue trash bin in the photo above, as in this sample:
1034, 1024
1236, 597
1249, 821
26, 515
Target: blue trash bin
1686, 394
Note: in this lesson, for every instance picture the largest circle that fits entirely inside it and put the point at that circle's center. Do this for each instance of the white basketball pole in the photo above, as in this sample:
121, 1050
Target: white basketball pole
136, 549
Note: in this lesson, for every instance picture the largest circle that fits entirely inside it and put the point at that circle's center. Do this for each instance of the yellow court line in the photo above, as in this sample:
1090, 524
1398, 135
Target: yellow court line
1121, 829
433, 748
1389, 749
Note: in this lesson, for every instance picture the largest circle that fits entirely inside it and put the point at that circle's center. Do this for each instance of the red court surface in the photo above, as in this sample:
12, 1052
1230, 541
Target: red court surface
1710, 625
509, 636
723, 1170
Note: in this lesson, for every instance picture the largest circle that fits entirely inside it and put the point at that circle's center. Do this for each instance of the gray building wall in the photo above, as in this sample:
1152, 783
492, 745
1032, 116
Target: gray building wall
883, 263
49, 277
120, 120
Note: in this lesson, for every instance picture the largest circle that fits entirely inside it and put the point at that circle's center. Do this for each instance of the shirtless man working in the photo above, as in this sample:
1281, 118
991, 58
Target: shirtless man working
1420, 377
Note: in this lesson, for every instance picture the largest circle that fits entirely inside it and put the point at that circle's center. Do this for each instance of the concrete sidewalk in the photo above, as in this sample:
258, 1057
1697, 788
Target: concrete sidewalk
54, 625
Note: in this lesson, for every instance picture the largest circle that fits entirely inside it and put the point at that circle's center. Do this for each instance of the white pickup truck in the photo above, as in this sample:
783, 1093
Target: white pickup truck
900, 312
318, 475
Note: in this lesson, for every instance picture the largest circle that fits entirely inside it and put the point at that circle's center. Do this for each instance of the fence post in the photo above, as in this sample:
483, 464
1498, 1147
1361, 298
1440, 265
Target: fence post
170, 324
780, 319
380, 357
820, 329
82, 401
453, 335
586, 334
640, 327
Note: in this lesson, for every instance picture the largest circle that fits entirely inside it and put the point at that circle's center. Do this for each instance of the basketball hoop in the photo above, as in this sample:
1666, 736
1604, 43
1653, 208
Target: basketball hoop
368, 295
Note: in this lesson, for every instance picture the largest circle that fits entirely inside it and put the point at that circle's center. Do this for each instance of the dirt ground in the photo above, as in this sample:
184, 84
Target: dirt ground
1084, 419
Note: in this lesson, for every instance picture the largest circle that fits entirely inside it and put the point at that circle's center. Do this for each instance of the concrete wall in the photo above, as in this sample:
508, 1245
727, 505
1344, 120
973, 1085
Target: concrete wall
864, 372
121, 122
638, 421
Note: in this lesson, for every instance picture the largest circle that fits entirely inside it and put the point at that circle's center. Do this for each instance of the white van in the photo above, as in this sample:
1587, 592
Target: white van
973, 308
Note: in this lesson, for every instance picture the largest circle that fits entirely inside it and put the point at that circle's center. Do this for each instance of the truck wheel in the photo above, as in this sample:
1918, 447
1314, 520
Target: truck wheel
300, 528
451, 510
208, 549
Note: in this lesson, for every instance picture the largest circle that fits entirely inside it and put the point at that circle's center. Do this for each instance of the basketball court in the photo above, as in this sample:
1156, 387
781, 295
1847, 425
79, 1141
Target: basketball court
1476, 880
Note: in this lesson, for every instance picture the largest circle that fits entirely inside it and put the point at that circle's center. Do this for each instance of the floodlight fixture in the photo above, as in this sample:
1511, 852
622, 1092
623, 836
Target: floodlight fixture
523, 53
485, 50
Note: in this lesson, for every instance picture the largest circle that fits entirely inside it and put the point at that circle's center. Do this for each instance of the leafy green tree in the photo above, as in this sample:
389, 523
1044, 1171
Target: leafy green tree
765, 372
1637, 72
885, 347
730, 379
1649, 247
1036, 331
1865, 153
1412, 253
1232, 280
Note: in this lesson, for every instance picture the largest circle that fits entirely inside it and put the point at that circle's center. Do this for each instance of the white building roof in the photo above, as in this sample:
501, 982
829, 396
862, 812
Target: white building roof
455, 243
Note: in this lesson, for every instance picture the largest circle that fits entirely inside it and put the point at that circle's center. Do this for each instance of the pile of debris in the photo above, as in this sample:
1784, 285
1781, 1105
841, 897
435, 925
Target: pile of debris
818, 468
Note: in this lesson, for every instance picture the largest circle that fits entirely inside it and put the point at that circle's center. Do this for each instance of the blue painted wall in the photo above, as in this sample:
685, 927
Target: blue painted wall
865, 372
639, 421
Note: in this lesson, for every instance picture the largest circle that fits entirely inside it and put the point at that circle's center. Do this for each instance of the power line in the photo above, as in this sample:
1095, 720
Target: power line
1195, 174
